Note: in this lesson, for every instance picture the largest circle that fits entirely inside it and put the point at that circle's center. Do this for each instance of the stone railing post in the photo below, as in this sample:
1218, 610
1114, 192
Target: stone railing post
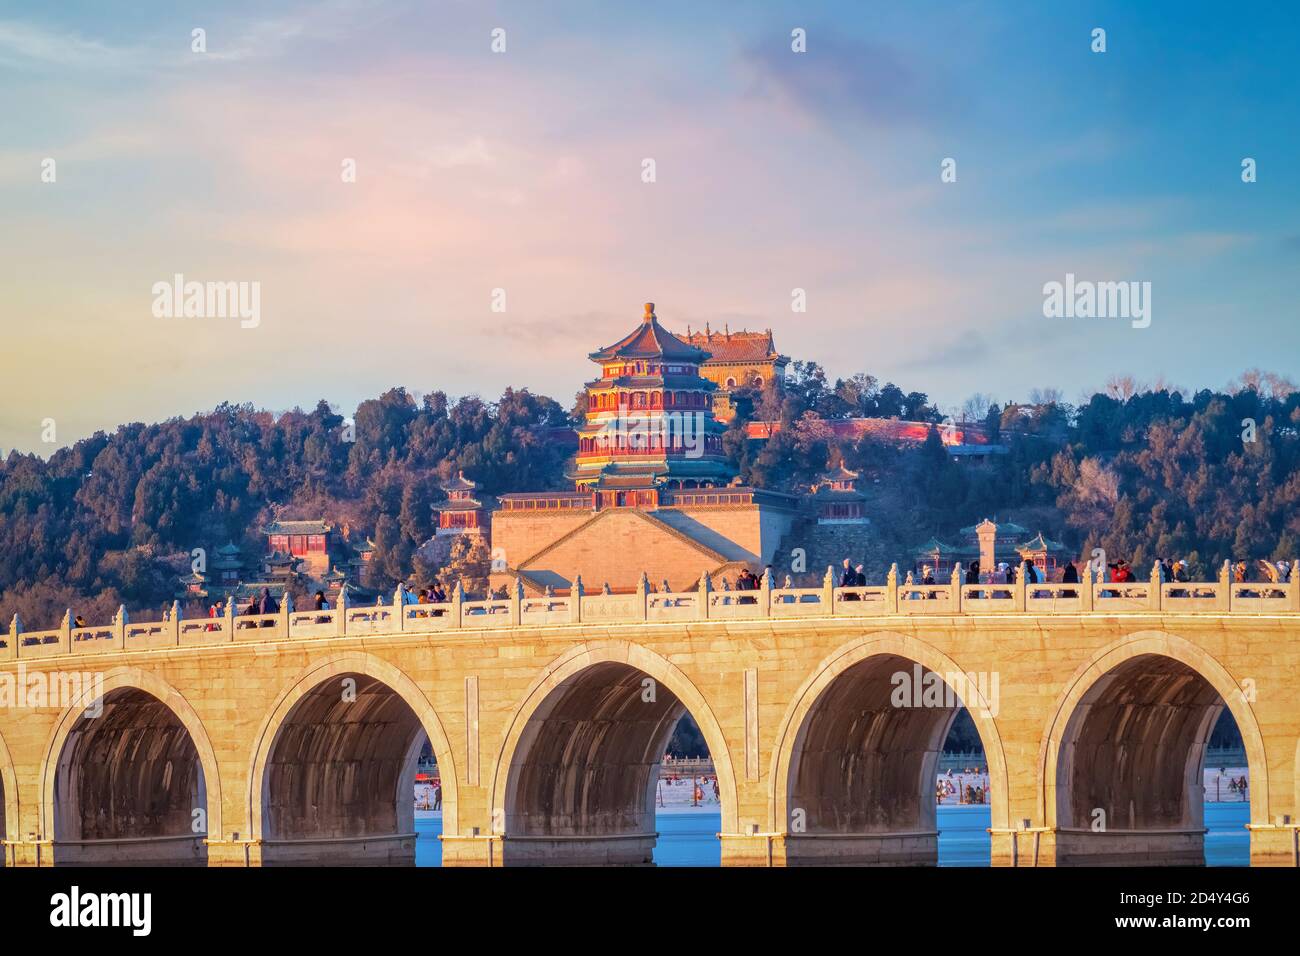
1086, 593
1018, 590
399, 608
705, 588
1155, 598
230, 617
286, 609
1293, 587
341, 613
119, 627
176, 622
1223, 598
458, 605
956, 589
575, 600
65, 633
891, 589
15, 636
828, 590
516, 602
643, 597
765, 592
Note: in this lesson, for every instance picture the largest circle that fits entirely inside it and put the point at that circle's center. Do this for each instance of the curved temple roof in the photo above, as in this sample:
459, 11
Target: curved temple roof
650, 340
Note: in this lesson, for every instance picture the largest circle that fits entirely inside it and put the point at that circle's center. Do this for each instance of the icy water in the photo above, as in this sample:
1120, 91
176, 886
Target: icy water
688, 837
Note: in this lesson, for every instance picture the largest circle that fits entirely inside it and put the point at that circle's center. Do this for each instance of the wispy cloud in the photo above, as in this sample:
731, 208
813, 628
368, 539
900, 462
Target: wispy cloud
522, 171
28, 45
840, 81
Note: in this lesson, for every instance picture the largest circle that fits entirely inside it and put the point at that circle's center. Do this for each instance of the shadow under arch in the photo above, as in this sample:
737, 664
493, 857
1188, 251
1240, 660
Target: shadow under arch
401, 689
850, 667
613, 662
120, 682
1190, 679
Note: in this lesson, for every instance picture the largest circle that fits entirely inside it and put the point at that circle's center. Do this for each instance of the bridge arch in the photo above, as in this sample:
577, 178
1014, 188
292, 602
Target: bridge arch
391, 697
863, 666
165, 710
1140, 690
9, 826
543, 722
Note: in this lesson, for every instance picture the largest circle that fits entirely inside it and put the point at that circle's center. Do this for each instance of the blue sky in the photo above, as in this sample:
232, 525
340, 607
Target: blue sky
522, 171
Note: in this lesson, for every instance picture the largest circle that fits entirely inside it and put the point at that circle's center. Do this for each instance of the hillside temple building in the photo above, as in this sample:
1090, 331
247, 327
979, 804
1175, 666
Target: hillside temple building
737, 360
652, 491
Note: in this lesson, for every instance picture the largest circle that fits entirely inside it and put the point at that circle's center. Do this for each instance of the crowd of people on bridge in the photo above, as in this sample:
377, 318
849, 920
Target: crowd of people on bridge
259, 605
921, 585
1114, 572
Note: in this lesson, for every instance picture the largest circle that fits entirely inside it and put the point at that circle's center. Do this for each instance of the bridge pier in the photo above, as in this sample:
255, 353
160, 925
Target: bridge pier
1274, 844
28, 853
384, 849
234, 853
830, 849
1184, 847
181, 850
472, 850
752, 849
615, 849
381, 849
1270, 845
920, 848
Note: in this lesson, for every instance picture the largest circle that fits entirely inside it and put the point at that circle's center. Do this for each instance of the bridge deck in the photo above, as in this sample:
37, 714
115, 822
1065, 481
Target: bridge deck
767, 603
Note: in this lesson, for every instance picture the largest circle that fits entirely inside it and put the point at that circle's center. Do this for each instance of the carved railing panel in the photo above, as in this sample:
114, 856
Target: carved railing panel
1055, 598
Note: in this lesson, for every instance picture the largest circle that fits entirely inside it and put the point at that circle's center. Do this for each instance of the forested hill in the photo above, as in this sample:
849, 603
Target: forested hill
1140, 473
113, 518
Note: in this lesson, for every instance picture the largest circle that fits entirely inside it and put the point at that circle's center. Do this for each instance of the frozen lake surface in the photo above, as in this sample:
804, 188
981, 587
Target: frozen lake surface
688, 836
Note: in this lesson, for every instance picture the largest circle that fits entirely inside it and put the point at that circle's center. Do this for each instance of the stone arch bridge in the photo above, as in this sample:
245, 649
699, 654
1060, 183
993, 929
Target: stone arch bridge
293, 738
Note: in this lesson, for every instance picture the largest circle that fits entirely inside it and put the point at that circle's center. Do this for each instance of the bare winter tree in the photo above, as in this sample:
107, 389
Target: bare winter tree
1093, 497
976, 408
1267, 384
1123, 387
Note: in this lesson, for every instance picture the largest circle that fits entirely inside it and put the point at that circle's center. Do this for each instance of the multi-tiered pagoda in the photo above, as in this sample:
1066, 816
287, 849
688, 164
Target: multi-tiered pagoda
649, 422
654, 492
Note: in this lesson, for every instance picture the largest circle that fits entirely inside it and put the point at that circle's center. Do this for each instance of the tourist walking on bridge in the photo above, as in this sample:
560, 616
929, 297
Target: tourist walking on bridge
848, 579
268, 606
1070, 576
847, 576
320, 604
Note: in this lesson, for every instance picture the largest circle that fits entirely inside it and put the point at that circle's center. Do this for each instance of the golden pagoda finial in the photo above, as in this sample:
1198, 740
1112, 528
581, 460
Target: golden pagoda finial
649, 312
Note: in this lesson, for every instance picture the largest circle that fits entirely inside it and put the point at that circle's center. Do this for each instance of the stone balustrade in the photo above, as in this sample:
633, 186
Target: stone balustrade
892, 598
